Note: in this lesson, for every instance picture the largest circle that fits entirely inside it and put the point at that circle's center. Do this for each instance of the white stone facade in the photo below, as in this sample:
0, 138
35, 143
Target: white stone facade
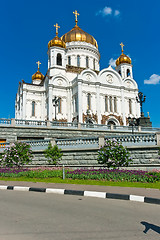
110, 95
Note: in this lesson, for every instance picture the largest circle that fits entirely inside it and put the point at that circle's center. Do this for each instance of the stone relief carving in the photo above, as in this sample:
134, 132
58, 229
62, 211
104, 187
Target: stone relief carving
88, 76
60, 81
109, 78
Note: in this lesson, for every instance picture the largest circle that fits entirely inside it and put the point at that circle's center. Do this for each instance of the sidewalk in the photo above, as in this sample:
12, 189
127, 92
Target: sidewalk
144, 192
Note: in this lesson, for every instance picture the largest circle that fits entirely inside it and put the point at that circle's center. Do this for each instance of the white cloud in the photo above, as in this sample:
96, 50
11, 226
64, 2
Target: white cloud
154, 79
106, 11
112, 62
116, 13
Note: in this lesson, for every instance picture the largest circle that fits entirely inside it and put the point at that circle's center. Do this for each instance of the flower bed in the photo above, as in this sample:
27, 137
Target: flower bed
115, 175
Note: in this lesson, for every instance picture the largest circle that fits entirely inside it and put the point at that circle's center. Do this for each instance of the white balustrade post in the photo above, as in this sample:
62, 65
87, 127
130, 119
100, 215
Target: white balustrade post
53, 142
101, 141
112, 126
139, 129
48, 123
79, 125
13, 122
158, 138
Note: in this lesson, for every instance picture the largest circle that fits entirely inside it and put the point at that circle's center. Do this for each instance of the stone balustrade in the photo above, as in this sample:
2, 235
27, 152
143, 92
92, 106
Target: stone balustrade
53, 124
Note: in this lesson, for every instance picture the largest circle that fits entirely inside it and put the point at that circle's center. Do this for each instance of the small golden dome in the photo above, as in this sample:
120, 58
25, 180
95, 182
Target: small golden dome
77, 34
123, 58
56, 41
38, 75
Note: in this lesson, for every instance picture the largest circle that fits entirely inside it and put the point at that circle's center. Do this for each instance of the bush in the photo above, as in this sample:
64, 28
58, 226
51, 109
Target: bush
16, 155
53, 154
113, 155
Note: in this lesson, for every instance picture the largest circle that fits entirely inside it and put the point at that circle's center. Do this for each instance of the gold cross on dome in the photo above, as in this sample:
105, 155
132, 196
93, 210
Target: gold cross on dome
56, 26
122, 45
38, 64
76, 14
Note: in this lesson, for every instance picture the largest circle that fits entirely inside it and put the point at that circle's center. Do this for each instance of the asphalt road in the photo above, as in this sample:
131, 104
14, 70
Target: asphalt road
37, 216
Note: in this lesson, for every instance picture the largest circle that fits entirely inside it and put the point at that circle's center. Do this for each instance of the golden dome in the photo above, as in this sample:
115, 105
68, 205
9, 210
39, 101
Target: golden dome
77, 34
38, 75
56, 41
123, 58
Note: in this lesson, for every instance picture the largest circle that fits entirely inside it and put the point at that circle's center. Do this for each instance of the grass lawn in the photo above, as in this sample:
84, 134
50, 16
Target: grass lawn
85, 182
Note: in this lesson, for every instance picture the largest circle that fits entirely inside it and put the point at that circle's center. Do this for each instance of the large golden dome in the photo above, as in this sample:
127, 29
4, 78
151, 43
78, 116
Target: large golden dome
123, 58
77, 34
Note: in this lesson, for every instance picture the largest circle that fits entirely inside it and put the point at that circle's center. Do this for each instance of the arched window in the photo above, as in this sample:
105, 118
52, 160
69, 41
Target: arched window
59, 59
130, 106
87, 62
89, 101
33, 108
128, 72
110, 122
106, 103
69, 60
94, 64
78, 61
115, 104
60, 105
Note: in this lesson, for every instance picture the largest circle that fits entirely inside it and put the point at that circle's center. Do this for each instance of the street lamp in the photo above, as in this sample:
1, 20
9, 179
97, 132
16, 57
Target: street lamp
132, 122
141, 99
55, 102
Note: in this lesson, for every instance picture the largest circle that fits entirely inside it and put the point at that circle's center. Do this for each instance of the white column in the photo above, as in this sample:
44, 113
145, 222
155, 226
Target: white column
50, 103
24, 105
69, 106
98, 105
123, 107
80, 101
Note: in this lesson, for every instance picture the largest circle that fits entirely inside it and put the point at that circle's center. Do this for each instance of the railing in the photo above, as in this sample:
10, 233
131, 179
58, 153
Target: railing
34, 123
54, 124
95, 126
4, 121
77, 143
135, 139
38, 144
140, 140
64, 124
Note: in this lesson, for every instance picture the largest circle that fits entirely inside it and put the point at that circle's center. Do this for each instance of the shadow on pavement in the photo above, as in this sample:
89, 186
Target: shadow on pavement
149, 226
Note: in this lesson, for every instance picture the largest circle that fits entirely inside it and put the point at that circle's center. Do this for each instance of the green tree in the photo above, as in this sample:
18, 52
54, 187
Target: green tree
53, 154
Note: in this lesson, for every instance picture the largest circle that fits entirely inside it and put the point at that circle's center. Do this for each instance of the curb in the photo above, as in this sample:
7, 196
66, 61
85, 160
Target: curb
85, 193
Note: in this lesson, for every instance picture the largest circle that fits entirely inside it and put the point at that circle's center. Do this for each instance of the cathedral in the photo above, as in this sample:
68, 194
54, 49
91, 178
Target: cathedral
74, 87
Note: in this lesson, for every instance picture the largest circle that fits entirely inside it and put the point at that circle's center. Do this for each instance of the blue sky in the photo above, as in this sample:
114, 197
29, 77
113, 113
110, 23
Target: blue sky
27, 27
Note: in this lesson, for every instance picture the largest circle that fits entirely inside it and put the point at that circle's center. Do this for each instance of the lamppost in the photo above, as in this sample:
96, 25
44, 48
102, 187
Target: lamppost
55, 102
141, 99
132, 122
